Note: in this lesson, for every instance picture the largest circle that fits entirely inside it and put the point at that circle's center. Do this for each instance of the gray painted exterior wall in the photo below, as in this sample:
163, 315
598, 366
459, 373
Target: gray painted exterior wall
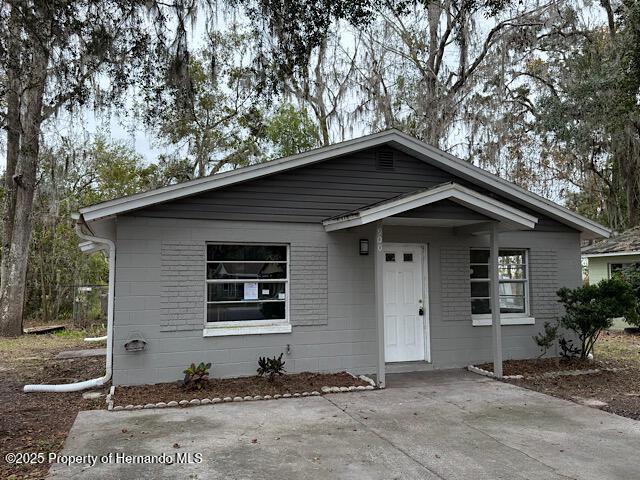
346, 338
160, 273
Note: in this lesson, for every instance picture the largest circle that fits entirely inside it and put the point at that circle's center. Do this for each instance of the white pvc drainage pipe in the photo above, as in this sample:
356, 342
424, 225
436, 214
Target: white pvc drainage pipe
95, 339
95, 382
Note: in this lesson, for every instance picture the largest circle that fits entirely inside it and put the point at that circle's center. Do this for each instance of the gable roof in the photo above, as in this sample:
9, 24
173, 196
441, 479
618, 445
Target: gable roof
447, 191
626, 243
394, 138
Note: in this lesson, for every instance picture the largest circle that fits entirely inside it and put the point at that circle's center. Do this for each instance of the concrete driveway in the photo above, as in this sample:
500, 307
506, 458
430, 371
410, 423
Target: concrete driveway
435, 425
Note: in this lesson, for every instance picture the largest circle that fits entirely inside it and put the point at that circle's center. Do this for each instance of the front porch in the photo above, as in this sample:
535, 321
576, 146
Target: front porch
409, 367
403, 268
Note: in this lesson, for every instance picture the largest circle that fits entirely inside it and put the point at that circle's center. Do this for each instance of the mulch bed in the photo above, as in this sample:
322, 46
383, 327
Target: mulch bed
40, 422
620, 389
540, 366
234, 387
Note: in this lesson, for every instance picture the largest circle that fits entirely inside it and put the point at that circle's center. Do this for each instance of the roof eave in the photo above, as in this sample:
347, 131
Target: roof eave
465, 196
589, 228
611, 254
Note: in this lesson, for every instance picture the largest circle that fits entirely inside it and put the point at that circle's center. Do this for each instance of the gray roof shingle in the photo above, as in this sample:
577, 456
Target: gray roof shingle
628, 241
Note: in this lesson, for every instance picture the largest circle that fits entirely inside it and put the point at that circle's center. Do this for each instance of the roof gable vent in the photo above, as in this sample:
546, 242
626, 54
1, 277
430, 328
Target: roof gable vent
385, 160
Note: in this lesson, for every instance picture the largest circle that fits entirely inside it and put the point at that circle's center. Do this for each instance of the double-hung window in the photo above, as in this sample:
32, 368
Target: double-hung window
513, 286
247, 284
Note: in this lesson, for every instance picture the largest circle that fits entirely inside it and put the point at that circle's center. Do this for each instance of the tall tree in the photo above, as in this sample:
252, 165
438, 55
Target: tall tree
420, 67
290, 131
213, 121
325, 85
73, 173
589, 115
51, 53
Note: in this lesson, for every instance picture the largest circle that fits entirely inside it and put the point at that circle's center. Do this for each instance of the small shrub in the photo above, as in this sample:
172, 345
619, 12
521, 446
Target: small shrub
567, 350
591, 309
270, 367
546, 339
196, 376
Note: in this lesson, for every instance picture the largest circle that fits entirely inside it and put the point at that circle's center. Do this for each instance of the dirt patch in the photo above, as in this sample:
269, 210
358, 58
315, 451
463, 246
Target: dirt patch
613, 391
40, 422
619, 391
539, 366
234, 387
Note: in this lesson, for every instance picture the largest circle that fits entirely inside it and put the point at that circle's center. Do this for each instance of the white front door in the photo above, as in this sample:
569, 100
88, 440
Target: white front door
404, 305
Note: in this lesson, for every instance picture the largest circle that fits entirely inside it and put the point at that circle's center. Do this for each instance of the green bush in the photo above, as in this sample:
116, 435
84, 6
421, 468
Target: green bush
270, 367
567, 349
591, 309
546, 339
632, 277
196, 376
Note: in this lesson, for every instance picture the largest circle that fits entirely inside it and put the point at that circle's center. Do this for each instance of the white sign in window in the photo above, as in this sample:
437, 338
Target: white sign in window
250, 291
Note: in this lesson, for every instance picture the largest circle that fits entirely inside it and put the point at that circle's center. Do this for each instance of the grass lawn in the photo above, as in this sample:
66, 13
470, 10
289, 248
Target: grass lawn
613, 391
39, 422
619, 347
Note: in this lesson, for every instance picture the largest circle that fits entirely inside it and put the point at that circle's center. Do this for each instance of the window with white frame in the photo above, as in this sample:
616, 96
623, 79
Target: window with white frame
247, 283
623, 268
514, 288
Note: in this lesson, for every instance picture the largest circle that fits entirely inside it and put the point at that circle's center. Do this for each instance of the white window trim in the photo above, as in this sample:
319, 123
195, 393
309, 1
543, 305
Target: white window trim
516, 319
628, 262
273, 327
248, 327
485, 319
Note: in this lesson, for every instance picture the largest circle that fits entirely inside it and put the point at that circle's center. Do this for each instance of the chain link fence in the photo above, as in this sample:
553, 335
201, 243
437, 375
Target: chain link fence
90, 305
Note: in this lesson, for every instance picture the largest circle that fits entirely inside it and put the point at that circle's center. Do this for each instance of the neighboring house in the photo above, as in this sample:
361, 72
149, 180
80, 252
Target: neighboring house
371, 255
612, 255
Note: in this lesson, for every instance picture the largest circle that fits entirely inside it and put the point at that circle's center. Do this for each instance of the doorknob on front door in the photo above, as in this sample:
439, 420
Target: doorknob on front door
420, 308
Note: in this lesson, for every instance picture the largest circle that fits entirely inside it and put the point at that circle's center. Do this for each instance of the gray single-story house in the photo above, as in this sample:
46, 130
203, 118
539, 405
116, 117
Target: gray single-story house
372, 255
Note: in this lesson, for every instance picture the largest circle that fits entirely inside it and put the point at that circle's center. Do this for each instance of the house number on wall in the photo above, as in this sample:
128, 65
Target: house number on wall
379, 238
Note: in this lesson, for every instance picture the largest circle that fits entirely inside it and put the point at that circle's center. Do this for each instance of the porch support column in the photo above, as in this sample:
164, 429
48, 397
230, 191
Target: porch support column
379, 302
496, 327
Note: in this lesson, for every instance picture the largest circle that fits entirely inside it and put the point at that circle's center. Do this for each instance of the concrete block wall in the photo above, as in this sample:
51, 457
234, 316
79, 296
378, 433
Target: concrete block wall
545, 281
454, 275
183, 289
343, 336
308, 269
455, 342
156, 297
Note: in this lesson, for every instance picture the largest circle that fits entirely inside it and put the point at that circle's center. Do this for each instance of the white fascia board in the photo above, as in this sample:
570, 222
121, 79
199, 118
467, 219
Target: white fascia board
611, 254
405, 142
471, 199
467, 197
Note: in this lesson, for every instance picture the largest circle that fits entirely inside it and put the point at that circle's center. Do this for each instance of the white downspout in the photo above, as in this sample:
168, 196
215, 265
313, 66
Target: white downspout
95, 382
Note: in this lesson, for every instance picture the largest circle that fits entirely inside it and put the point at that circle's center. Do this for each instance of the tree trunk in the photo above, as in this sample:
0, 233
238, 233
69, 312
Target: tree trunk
633, 205
13, 286
13, 139
629, 158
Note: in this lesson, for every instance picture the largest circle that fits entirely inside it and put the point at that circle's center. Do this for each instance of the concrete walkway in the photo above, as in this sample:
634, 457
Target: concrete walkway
431, 425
